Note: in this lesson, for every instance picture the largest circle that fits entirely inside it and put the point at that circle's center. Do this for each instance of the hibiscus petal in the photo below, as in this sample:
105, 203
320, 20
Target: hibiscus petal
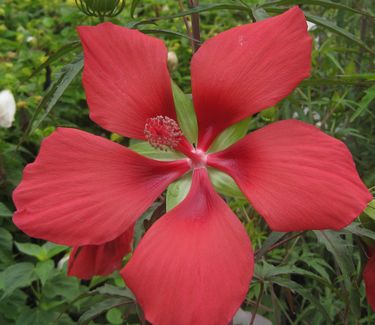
83, 189
125, 77
296, 177
195, 264
90, 260
369, 278
247, 69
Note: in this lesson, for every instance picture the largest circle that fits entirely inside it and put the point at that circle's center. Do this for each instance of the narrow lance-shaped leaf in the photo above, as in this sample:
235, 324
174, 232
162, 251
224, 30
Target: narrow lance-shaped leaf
330, 26
57, 89
294, 286
338, 30
101, 307
198, 9
272, 239
341, 252
365, 102
323, 3
64, 50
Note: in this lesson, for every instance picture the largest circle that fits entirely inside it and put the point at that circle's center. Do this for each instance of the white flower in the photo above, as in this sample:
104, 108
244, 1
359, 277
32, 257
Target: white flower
318, 124
315, 115
30, 39
306, 110
295, 115
311, 26
7, 109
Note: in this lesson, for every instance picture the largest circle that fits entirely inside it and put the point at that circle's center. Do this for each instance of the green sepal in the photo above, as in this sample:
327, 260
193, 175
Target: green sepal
230, 135
185, 113
224, 184
367, 219
145, 149
177, 191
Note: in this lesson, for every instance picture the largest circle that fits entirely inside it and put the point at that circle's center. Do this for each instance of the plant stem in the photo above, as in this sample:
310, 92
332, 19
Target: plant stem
281, 242
195, 25
254, 313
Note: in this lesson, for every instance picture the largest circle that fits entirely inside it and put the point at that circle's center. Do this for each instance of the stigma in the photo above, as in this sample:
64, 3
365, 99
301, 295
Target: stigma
163, 133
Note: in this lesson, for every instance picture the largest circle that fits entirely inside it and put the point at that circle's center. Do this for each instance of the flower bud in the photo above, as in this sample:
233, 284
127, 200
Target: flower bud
7, 109
172, 61
101, 8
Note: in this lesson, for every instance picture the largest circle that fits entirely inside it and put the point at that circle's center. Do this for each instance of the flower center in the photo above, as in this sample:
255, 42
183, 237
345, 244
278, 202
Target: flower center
198, 158
162, 132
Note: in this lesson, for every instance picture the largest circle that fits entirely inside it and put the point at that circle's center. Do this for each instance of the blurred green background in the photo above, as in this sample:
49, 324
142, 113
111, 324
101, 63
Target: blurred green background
319, 271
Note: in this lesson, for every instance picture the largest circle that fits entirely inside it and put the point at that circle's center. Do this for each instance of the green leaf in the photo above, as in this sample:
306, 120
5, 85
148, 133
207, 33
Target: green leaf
166, 32
17, 276
101, 307
339, 248
5, 240
198, 9
6, 243
42, 253
43, 270
364, 104
111, 290
60, 285
35, 316
305, 293
4, 211
323, 3
114, 316
67, 75
64, 50
224, 184
185, 114
230, 135
177, 191
139, 225
145, 149
370, 209
31, 250
272, 271
338, 30
272, 239
52, 249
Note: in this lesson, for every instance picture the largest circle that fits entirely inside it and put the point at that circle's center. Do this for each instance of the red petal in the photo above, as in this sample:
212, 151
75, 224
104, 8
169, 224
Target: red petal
83, 189
296, 177
87, 261
248, 68
369, 278
195, 264
125, 77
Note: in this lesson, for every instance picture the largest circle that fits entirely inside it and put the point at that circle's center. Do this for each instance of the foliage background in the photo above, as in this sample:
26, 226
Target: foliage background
310, 278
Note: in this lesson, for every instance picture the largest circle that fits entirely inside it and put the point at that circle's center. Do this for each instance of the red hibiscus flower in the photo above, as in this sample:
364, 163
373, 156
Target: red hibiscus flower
195, 263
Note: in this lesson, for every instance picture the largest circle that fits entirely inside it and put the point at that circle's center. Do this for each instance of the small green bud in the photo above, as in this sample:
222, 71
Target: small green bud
172, 61
101, 8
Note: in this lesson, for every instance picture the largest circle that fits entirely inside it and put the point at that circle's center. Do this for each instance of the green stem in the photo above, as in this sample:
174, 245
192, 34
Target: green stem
253, 315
